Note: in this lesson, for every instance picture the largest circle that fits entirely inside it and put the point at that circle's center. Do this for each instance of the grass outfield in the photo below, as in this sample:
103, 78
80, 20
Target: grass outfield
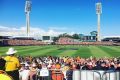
82, 51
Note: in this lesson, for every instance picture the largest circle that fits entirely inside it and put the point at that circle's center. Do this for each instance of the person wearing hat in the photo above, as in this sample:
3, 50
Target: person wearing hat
12, 64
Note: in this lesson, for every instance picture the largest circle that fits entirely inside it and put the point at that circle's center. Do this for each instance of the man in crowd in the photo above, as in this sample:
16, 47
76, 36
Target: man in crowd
2, 63
3, 75
12, 64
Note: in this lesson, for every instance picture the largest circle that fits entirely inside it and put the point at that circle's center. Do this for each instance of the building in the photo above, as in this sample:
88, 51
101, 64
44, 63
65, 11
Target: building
47, 39
92, 37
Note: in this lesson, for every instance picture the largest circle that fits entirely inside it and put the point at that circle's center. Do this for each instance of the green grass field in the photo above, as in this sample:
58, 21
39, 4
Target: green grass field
82, 51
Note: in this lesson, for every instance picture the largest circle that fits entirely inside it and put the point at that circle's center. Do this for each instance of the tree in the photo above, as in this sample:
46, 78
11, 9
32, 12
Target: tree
55, 39
65, 35
76, 36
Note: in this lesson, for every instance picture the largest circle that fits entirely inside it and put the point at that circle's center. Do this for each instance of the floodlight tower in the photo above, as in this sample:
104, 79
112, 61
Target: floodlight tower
27, 12
98, 12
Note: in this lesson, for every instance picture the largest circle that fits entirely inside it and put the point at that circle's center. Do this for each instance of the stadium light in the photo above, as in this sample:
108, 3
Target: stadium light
27, 12
98, 12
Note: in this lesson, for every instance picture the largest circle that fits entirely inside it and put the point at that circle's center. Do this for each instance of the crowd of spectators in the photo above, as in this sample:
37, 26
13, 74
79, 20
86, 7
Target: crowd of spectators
61, 41
54, 68
91, 63
34, 68
19, 41
64, 66
25, 42
70, 41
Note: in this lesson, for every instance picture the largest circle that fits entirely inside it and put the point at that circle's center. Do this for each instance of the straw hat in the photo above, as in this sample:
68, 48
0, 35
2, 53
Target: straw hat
11, 51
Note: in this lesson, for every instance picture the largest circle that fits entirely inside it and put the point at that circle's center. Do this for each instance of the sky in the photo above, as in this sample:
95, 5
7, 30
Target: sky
54, 17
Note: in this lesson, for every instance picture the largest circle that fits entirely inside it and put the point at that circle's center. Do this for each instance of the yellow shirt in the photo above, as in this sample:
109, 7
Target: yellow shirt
12, 63
4, 77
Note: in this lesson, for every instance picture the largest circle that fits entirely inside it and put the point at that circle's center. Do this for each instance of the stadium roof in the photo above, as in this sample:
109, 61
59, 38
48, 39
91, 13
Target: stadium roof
110, 36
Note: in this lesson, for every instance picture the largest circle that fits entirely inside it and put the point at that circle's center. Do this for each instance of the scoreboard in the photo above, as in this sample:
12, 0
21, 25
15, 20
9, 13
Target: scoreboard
46, 37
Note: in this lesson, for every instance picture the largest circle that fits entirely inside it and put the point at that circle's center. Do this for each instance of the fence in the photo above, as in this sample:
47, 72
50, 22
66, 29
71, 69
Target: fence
110, 75
77, 75
98, 75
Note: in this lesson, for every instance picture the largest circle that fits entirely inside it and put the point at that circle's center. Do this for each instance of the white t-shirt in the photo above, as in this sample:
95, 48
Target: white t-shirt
24, 74
44, 72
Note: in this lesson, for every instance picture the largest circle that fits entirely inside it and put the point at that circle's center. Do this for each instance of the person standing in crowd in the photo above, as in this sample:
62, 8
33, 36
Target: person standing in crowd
12, 64
3, 75
33, 71
69, 73
2, 64
57, 74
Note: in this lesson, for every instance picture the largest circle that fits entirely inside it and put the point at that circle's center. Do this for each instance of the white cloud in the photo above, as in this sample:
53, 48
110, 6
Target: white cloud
71, 33
58, 28
34, 31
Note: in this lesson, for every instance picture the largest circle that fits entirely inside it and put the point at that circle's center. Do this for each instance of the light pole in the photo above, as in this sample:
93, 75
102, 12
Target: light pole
98, 12
27, 12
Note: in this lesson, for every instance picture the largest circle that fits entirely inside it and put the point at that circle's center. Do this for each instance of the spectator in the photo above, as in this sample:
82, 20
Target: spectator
69, 73
118, 66
12, 64
57, 74
44, 73
24, 71
3, 75
33, 72
2, 63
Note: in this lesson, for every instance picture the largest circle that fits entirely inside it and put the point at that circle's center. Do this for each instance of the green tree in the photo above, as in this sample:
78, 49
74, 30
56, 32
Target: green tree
55, 39
76, 36
65, 35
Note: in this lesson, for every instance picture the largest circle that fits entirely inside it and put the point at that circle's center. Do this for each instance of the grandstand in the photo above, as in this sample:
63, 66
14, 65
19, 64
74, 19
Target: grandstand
66, 40
22, 38
70, 41
22, 41
114, 39
19, 41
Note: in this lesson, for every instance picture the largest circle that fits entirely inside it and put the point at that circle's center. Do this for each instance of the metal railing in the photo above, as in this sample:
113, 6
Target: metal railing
111, 75
77, 75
